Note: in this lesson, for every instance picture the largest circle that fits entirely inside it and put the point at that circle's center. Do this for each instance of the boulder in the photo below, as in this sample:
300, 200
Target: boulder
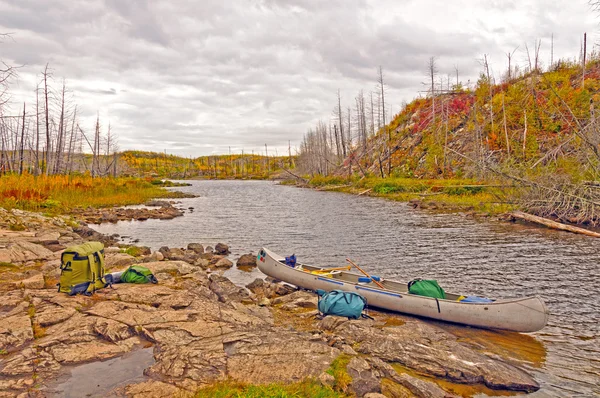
196, 248
246, 260
157, 256
223, 263
226, 290
222, 248
113, 260
207, 256
208, 249
202, 263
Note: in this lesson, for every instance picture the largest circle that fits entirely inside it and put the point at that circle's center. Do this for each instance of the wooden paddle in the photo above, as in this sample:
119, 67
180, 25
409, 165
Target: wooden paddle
367, 275
326, 270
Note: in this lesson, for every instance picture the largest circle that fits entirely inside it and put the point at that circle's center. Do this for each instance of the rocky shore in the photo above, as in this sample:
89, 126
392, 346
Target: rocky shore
202, 328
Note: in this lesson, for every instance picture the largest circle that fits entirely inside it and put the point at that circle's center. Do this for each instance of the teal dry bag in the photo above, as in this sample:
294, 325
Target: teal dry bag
340, 303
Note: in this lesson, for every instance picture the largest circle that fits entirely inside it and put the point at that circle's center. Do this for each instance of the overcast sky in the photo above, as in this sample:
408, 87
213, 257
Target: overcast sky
196, 77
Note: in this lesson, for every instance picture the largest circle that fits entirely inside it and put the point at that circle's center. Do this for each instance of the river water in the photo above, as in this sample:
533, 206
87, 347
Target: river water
483, 257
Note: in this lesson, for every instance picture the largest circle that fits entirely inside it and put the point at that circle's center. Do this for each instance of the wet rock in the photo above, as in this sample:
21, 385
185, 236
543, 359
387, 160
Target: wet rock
246, 260
144, 250
222, 248
207, 256
404, 385
208, 249
422, 388
391, 389
196, 248
223, 263
256, 284
439, 354
157, 203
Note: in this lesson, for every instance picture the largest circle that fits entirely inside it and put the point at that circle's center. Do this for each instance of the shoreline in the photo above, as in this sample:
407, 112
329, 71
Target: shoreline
189, 302
452, 205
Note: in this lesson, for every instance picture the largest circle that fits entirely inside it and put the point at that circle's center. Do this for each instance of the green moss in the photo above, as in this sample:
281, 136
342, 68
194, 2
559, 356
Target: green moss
230, 389
134, 251
3, 352
340, 373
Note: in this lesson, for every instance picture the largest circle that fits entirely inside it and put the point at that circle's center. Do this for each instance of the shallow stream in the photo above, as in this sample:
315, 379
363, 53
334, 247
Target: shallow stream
484, 257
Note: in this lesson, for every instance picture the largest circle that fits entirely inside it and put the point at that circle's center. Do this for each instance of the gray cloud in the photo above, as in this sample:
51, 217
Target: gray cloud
197, 77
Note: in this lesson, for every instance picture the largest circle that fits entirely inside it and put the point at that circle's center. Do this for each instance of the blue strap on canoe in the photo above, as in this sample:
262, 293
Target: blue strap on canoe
476, 299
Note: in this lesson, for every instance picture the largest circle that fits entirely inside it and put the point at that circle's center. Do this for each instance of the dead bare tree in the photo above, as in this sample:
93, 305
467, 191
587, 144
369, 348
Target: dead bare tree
22, 143
381, 87
46, 75
341, 124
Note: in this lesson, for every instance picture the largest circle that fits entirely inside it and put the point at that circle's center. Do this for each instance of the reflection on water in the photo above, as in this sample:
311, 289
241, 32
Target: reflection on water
100, 379
489, 258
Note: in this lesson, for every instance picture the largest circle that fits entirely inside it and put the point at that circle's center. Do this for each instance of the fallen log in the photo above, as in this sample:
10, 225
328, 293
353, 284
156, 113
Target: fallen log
553, 224
364, 192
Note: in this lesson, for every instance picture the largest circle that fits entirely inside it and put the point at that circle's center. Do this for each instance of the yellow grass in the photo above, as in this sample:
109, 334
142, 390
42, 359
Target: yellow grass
61, 193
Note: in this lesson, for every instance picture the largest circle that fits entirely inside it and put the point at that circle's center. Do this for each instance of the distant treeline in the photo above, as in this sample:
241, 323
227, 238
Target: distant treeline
163, 165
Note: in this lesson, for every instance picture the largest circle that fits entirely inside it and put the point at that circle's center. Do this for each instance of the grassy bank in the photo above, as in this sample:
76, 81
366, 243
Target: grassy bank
303, 389
309, 388
450, 194
57, 194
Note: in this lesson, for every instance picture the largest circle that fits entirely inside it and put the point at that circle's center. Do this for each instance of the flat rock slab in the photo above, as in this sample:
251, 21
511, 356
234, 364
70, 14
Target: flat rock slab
430, 350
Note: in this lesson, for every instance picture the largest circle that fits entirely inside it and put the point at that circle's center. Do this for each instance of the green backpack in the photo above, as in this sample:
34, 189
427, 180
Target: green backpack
428, 288
138, 274
82, 269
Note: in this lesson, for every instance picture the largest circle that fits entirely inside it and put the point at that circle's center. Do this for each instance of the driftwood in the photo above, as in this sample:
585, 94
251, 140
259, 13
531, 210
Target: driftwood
304, 180
365, 191
553, 224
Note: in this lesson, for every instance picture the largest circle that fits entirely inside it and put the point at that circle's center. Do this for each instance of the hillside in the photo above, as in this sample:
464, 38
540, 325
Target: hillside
536, 131
540, 119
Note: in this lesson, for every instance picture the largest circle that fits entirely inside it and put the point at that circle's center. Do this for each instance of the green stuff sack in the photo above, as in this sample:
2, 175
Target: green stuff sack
428, 288
82, 269
138, 274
